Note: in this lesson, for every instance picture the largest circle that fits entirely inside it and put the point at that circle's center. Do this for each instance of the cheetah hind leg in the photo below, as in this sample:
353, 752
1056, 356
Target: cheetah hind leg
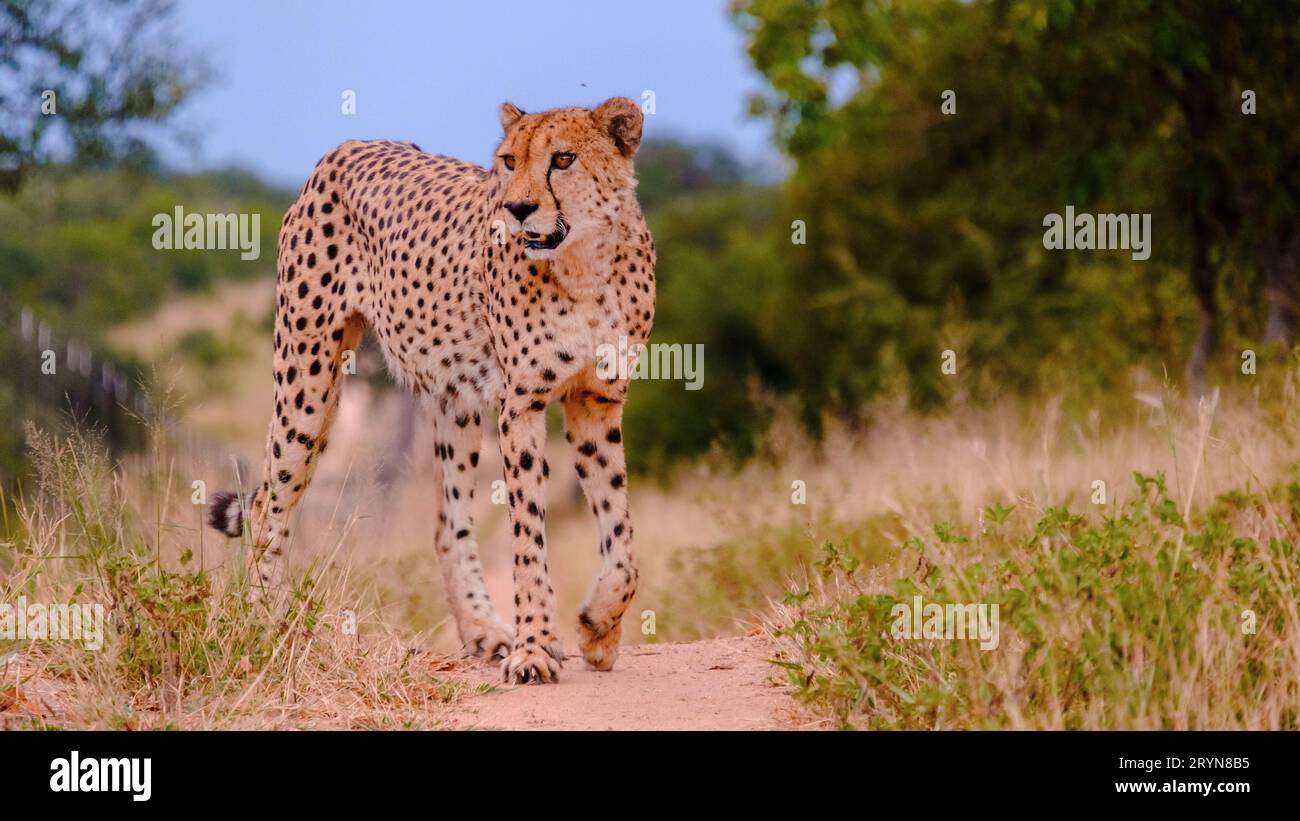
307, 400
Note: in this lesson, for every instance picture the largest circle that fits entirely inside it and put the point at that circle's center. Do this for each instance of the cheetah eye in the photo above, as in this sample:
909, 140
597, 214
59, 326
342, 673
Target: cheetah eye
509, 160
562, 160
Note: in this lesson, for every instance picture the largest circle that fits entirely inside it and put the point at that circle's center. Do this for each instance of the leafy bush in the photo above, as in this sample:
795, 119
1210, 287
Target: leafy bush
1139, 621
172, 623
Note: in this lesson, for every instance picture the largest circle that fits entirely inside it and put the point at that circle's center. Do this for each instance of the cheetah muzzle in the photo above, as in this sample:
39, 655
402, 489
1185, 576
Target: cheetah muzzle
547, 242
471, 319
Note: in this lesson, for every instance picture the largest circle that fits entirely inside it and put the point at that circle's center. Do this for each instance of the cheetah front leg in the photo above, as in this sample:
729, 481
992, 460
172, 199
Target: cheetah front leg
593, 426
537, 652
458, 434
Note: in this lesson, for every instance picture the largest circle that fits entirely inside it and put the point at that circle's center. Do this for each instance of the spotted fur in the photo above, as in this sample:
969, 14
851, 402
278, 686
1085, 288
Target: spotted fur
484, 287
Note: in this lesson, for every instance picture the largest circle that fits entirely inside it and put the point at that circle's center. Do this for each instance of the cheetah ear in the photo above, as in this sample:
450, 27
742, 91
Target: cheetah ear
621, 119
510, 114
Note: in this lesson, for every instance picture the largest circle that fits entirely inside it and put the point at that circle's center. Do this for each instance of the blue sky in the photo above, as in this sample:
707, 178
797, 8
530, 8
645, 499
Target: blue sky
436, 73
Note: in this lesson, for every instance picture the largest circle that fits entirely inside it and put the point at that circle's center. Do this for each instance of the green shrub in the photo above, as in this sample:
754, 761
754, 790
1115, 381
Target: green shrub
1139, 621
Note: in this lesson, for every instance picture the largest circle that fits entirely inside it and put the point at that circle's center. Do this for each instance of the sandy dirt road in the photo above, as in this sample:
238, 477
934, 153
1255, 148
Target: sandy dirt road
717, 684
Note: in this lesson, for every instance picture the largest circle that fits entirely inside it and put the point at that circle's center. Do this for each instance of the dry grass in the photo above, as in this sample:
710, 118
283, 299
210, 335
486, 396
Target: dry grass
183, 648
1172, 606
718, 548
724, 543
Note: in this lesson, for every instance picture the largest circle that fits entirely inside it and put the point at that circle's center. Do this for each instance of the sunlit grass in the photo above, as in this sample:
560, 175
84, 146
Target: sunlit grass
1135, 612
183, 646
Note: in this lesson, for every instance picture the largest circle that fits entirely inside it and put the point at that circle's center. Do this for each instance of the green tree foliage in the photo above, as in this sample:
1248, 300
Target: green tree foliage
669, 168
714, 276
84, 79
76, 249
925, 228
77, 246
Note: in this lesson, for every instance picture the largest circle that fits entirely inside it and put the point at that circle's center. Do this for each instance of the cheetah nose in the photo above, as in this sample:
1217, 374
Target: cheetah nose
521, 209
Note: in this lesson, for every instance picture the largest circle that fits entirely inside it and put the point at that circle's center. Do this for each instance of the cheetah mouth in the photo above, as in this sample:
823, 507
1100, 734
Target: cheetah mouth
534, 241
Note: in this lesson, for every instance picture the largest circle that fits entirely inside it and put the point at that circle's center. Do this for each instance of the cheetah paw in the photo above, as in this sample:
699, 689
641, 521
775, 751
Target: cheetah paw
488, 640
599, 644
533, 664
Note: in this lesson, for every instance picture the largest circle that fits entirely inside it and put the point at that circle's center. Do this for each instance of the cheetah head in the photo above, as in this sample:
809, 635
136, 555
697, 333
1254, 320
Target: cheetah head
567, 173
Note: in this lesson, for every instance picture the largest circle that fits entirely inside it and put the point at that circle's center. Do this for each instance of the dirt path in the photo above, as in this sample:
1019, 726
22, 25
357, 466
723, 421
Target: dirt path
718, 684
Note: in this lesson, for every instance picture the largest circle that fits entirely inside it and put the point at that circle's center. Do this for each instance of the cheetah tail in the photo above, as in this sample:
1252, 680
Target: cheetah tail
226, 513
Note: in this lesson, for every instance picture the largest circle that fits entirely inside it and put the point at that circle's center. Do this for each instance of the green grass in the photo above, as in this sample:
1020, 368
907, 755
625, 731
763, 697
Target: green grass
172, 622
1138, 619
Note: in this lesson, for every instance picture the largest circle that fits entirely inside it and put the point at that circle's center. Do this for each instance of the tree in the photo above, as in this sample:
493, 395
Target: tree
86, 77
668, 168
1131, 106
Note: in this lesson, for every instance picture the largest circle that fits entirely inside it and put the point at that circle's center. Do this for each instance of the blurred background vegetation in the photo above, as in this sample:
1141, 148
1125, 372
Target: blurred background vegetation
923, 229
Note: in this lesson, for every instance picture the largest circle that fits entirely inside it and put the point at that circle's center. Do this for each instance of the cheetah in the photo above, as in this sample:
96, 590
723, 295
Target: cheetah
484, 286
